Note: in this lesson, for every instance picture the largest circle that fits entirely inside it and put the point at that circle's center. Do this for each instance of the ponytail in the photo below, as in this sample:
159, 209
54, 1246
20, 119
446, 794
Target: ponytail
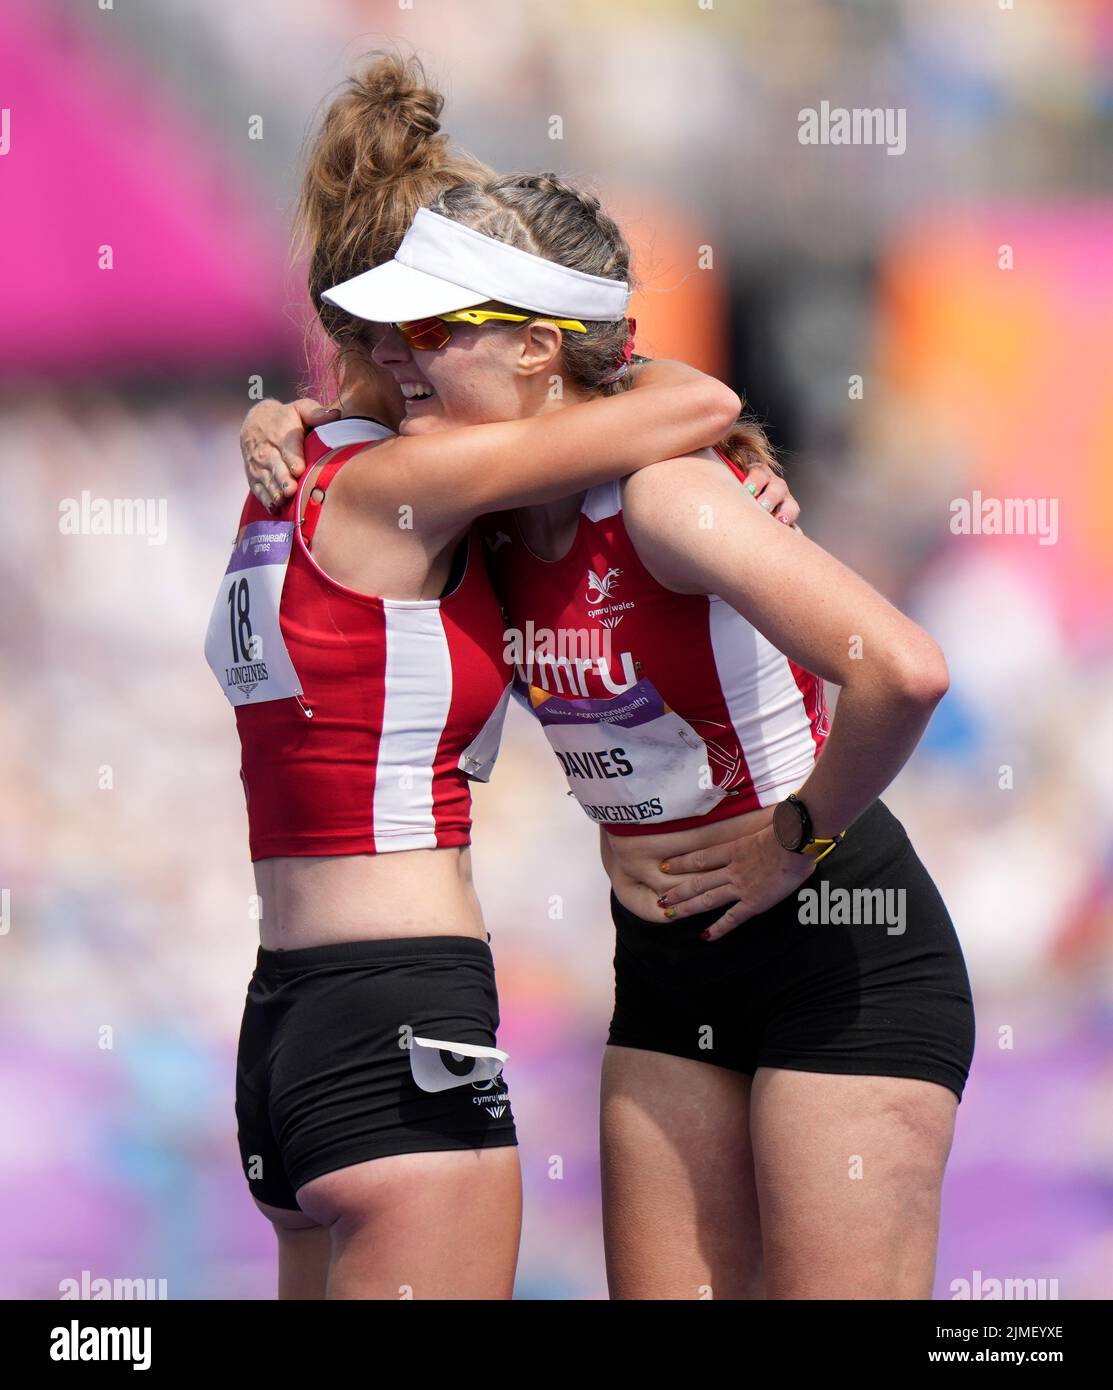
378, 156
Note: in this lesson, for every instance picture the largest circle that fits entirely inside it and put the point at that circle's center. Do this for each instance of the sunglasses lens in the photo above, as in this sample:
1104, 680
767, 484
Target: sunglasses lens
425, 334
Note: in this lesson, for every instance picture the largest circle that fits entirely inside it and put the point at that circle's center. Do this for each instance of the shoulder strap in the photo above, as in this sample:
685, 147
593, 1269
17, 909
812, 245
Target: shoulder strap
319, 490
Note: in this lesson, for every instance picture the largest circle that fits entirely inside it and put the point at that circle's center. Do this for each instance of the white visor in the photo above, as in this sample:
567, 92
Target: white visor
442, 266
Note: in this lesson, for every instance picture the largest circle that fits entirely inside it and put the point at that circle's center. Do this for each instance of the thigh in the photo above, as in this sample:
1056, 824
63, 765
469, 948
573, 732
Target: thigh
848, 1172
304, 1250
680, 1216
422, 1225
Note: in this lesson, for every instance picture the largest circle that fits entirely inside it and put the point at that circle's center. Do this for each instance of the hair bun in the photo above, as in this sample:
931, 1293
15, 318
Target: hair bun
384, 124
377, 156
396, 88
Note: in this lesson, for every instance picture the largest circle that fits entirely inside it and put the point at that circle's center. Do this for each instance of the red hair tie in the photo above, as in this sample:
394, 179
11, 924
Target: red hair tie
622, 366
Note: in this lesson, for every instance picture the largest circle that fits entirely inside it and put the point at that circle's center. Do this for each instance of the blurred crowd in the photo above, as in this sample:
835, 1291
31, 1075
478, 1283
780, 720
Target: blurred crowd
123, 847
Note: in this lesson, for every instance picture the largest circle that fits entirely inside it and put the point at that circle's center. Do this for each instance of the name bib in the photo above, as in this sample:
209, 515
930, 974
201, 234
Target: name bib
244, 645
629, 758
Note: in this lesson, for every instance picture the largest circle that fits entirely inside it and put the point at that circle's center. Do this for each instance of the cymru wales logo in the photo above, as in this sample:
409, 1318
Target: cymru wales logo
600, 589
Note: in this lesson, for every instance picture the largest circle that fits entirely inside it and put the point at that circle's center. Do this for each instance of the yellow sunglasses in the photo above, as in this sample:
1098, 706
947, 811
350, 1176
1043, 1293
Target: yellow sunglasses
426, 334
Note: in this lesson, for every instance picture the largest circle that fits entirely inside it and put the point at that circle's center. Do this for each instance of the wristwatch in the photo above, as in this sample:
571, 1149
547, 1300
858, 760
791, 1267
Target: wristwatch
792, 825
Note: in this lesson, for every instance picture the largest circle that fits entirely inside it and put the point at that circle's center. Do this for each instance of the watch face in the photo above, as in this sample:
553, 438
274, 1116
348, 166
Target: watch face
788, 825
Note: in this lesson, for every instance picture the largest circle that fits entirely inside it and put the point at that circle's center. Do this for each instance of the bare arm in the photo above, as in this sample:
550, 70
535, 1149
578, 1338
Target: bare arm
819, 614
450, 477
455, 475
272, 441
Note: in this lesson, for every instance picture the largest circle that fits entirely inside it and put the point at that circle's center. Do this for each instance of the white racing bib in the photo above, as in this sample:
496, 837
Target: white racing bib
629, 758
478, 758
244, 645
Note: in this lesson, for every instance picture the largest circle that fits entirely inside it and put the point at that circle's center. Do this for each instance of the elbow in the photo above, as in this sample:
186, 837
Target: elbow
719, 406
918, 674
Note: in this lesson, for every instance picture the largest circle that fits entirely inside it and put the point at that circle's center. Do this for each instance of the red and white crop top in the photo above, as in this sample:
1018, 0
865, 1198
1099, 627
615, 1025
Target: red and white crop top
361, 719
665, 710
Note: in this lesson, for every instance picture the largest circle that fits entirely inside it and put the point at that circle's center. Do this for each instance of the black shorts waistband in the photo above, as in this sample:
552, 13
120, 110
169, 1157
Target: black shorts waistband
382, 951
874, 843
871, 842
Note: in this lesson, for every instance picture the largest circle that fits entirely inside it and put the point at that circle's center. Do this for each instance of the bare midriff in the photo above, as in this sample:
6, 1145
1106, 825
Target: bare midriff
365, 897
633, 862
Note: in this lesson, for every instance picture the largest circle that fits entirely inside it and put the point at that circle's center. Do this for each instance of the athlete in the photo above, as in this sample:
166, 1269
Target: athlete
793, 1025
358, 639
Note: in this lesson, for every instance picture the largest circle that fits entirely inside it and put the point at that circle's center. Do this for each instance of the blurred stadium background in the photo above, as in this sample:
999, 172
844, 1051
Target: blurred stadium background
122, 830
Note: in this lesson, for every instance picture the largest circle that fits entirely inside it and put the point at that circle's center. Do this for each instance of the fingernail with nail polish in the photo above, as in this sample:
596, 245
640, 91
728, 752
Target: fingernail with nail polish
670, 912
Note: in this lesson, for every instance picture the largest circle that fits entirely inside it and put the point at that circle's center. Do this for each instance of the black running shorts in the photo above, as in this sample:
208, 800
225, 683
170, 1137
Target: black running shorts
338, 1061
866, 983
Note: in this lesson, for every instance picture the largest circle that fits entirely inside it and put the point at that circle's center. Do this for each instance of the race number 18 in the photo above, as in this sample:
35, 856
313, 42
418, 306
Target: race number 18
239, 621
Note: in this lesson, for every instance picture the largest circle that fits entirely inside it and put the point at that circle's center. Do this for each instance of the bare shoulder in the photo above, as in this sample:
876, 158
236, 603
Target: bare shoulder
669, 493
686, 515
365, 470
376, 479
434, 476
673, 476
665, 509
